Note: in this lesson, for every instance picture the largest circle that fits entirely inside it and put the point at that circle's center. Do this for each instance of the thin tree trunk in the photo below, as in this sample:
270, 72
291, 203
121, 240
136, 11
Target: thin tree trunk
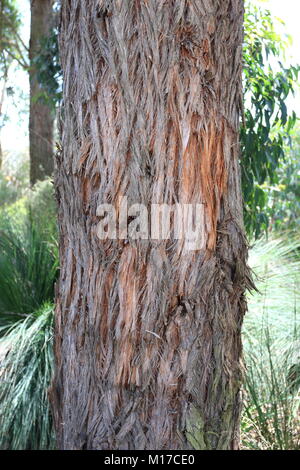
148, 335
41, 119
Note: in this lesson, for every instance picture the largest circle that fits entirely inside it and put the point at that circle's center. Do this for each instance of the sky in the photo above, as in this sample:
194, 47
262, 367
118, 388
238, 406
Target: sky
14, 135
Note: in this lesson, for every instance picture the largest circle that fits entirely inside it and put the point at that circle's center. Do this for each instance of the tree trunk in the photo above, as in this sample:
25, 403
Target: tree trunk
41, 119
148, 334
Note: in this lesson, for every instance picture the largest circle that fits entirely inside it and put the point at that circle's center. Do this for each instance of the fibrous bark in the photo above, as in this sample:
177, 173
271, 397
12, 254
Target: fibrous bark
148, 336
41, 118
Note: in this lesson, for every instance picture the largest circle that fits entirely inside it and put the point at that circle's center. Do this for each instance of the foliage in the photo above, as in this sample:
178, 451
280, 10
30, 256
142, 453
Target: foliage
28, 269
12, 51
272, 408
42, 207
271, 343
49, 70
26, 369
283, 207
12, 46
18, 201
13, 182
47, 64
267, 83
8, 191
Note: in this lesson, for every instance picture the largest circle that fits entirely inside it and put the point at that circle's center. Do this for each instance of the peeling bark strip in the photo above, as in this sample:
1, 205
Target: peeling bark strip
148, 337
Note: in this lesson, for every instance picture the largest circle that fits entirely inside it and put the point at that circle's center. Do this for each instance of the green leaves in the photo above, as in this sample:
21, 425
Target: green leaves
268, 123
12, 46
49, 70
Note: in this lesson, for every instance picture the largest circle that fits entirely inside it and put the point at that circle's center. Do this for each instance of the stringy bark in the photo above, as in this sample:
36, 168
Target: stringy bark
148, 336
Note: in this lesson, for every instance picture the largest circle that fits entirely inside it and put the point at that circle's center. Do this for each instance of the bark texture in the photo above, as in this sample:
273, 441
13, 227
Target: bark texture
148, 336
41, 119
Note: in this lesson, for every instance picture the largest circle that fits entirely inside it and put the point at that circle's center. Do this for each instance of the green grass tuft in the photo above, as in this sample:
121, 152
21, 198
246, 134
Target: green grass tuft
271, 344
26, 370
28, 269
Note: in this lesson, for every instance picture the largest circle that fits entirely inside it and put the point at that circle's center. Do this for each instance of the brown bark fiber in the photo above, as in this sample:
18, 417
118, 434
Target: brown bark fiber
148, 336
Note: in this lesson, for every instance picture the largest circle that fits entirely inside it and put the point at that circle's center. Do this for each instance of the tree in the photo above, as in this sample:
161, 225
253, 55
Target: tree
11, 48
148, 335
267, 122
41, 117
32, 59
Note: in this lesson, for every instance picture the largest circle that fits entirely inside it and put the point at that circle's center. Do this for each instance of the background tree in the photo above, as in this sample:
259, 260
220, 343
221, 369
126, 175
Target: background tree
14, 49
41, 117
148, 335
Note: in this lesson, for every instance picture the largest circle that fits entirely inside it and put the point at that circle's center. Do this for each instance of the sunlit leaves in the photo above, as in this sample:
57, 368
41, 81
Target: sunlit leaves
12, 47
267, 121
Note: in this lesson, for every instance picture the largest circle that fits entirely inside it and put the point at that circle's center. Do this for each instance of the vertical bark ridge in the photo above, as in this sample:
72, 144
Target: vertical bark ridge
148, 335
